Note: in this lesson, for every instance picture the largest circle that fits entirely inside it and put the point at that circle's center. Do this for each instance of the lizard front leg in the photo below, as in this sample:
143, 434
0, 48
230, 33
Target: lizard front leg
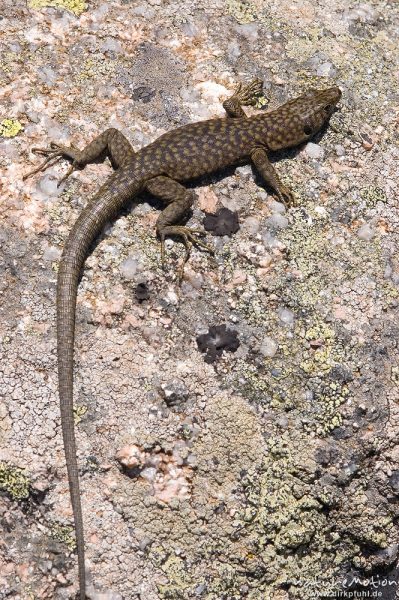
179, 201
110, 143
267, 171
246, 95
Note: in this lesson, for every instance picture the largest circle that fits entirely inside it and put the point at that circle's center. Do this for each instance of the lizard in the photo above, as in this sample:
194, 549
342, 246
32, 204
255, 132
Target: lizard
183, 154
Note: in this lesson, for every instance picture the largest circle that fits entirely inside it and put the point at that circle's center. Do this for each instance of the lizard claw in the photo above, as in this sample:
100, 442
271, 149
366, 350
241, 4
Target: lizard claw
188, 239
286, 196
53, 154
248, 95
51, 160
71, 169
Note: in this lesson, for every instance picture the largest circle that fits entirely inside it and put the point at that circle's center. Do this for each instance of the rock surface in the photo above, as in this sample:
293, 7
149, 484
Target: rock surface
271, 472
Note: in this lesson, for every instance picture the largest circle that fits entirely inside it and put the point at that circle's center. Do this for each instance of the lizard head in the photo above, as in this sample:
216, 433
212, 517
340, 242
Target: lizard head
317, 108
306, 115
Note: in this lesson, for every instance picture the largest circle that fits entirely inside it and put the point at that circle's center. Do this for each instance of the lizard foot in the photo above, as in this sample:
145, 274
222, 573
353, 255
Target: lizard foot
55, 153
188, 239
286, 196
248, 94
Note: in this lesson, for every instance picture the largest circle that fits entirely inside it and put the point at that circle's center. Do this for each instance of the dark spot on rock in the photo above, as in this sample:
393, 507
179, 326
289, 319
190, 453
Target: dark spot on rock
143, 93
220, 508
394, 481
360, 411
38, 490
366, 138
92, 465
341, 374
386, 556
224, 222
217, 339
276, 373
358, 30
175, 392
141, 292
314, 344
342, 214
340, 433
326, 456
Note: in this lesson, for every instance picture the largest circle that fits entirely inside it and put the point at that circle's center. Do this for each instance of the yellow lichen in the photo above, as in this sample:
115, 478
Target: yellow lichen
323, 358
64, 534
372, 195
78, 413
10, 128
242, 11
14, 481
177, 576
262, 101
395, 375
74, 6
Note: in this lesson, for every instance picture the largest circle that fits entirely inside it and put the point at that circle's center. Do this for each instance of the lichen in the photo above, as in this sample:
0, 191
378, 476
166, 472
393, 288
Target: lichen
371, 195
252, 383
261, 102
78, 413
306, 363
10, 128
321, 360
244, 12
14, 482
179, 580
74, 6
96, 66
288, 513
64, 534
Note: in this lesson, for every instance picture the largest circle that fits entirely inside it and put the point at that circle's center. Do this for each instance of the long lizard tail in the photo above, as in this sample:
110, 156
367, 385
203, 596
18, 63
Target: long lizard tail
107, 202
67, 286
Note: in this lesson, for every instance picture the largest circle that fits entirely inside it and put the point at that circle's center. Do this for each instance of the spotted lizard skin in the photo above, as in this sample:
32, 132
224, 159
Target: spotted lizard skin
180, 155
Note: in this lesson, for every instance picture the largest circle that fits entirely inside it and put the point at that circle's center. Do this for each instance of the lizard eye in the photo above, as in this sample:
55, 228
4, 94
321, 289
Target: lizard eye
307, 130
327, 107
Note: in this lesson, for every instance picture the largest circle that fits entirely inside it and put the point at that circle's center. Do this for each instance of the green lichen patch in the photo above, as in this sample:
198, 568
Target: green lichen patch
244, 12
179, 579
94, 67
322, 266
64, 534
262, 102
309, 376
78, 413
9, 128
74, 6
320, 360
372, 195
253, 384
14, 482
291, 529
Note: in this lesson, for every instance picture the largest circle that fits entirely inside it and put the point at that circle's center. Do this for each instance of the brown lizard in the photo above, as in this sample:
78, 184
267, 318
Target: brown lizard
180, 155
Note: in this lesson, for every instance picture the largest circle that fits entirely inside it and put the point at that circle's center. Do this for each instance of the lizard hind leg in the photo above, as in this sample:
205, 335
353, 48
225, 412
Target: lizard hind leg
110, 143
179, 201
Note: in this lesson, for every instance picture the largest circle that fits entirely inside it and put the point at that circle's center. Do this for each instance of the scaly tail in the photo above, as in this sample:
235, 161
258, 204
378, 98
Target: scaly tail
111, 198
66, 301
